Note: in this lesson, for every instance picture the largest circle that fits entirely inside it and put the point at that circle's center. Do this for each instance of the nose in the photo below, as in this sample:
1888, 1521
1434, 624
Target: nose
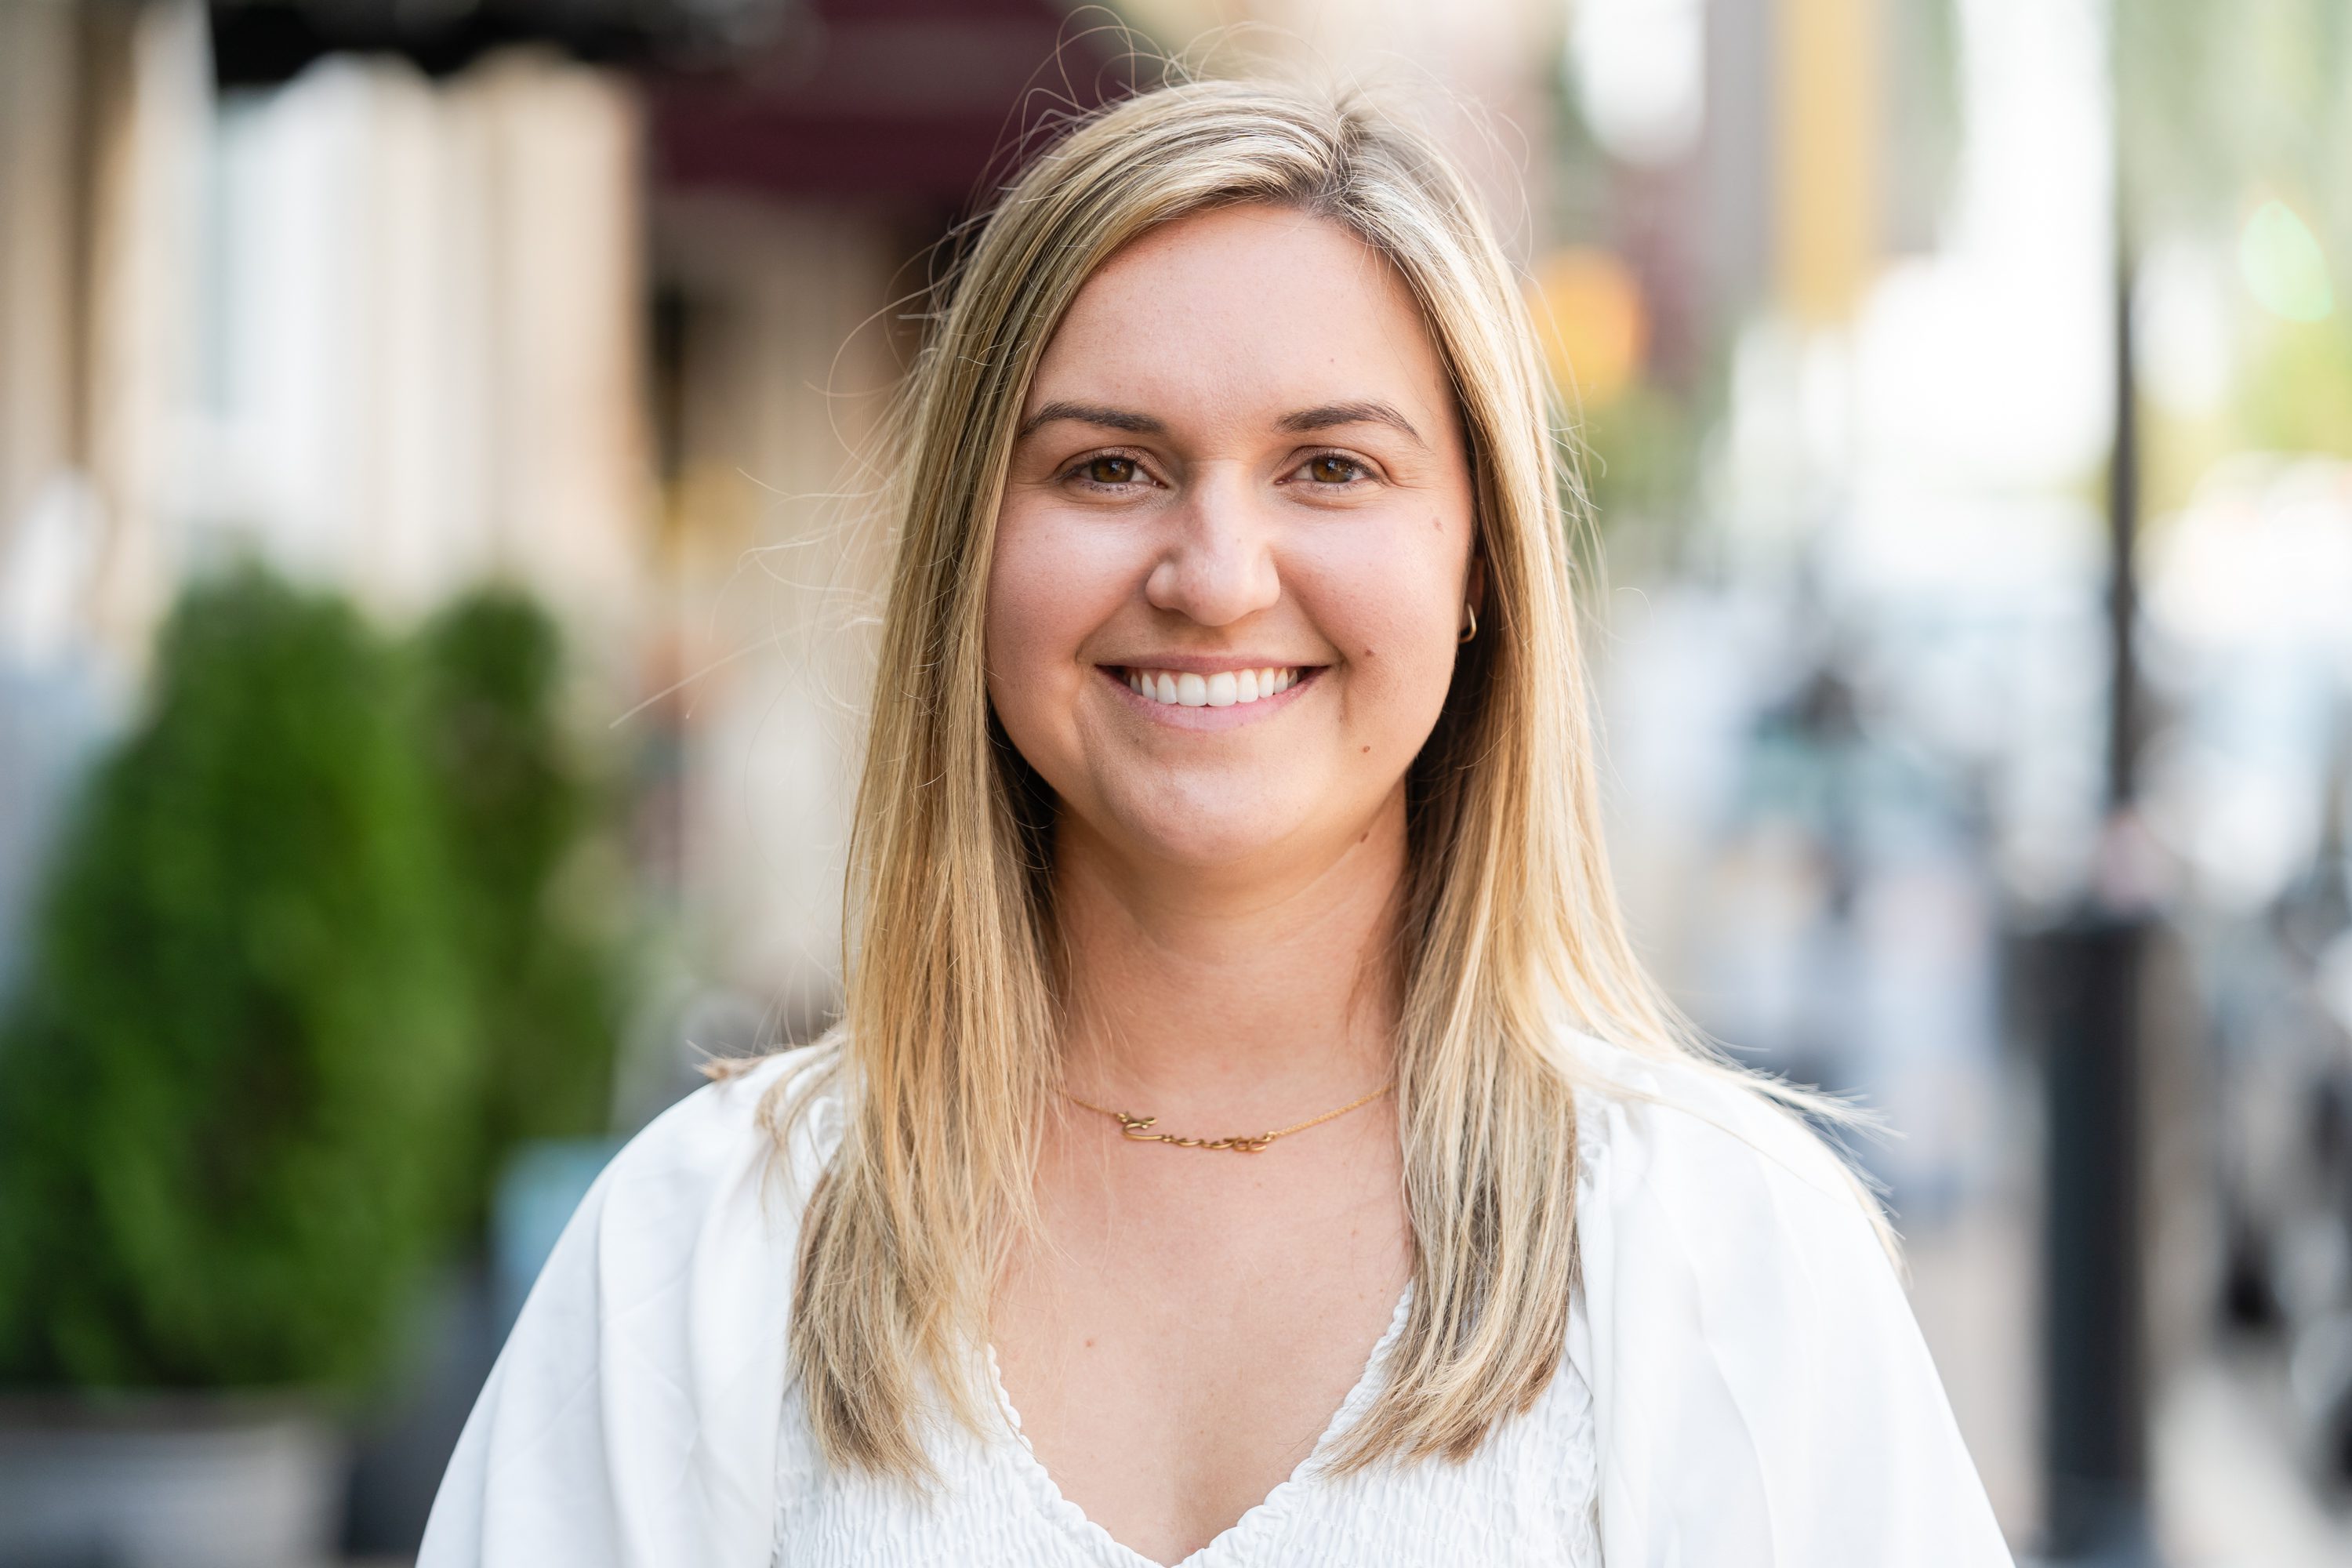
1217, 567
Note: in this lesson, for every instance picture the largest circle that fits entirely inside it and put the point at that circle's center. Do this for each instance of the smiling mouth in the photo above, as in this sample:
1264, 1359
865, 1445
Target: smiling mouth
1224, 688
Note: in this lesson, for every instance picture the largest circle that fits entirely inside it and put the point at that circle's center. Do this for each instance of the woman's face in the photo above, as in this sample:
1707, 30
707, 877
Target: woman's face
1235, 546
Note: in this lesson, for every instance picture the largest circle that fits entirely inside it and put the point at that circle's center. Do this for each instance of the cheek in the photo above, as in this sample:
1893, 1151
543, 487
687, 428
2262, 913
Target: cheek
1394, 613
1047, 593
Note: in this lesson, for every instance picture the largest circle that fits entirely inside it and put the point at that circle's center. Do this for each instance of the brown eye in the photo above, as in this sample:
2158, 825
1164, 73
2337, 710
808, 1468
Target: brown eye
1110, 470
1331, 469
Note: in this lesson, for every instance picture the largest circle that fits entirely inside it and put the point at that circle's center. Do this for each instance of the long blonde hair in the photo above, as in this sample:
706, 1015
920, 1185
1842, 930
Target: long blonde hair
948, 1045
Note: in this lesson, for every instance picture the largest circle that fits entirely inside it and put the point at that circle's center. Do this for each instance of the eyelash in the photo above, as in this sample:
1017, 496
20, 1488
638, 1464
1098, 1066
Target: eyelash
1363, 469
1076, 472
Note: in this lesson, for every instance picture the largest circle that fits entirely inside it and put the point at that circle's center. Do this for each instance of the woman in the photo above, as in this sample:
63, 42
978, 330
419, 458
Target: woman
1249, 1138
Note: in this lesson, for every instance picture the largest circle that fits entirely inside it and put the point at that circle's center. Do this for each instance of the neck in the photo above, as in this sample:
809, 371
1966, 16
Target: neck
1247, 994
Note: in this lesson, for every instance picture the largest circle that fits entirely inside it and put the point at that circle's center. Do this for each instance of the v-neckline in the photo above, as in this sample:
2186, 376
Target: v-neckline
1253, 1520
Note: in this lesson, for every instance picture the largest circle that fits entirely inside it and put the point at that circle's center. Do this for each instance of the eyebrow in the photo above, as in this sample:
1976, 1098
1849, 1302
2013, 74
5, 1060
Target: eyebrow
1325, 416
1331, 415
1098, 413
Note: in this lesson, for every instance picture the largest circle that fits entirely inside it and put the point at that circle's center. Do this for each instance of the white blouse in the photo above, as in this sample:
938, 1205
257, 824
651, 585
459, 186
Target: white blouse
1743, 1387
1526, 1498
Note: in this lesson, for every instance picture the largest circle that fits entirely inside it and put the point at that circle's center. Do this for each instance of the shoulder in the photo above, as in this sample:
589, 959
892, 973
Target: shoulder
1710, 1144
1762, 1390
763, 1123
635, 1399
700, 1213
1708, 1214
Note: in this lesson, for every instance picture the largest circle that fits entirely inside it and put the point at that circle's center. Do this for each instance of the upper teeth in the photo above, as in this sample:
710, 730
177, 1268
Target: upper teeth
1223, 690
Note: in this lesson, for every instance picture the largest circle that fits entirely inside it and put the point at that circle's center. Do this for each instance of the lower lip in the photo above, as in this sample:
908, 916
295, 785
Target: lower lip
1176, 716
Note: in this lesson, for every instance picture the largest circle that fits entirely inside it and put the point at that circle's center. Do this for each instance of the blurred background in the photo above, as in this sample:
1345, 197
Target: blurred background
435, 598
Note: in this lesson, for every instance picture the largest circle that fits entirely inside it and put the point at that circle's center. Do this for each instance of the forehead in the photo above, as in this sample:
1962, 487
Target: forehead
1245, 311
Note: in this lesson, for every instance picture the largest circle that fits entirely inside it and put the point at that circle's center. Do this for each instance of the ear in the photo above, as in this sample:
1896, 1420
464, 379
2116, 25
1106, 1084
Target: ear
1474, 590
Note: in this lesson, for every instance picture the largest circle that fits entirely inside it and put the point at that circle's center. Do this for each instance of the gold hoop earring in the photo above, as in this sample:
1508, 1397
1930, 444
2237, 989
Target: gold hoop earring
1472, 629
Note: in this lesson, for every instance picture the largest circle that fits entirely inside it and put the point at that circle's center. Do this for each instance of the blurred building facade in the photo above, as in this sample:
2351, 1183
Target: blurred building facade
603, 298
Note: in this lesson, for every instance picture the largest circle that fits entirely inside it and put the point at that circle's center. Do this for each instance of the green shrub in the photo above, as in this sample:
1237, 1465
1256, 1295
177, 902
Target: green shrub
535, 905
235, 1087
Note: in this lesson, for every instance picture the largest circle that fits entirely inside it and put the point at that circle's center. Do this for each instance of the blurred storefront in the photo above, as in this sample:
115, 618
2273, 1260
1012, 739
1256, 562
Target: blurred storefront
601, 296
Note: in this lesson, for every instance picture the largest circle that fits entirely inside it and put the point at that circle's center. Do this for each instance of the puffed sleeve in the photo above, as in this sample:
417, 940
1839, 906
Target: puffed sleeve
1762, 1394
631, 1419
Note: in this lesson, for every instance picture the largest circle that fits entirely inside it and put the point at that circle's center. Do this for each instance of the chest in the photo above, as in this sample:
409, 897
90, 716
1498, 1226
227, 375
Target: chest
1526, 1497
1177, 1347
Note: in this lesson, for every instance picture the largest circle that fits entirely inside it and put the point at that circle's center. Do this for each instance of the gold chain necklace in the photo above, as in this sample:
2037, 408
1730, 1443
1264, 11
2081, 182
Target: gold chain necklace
1138, 1128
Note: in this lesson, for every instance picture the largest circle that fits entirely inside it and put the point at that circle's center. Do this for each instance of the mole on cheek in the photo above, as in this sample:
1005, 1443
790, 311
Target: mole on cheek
1367, 750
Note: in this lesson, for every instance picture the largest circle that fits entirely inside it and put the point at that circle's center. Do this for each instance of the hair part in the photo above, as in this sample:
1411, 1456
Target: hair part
1508, 932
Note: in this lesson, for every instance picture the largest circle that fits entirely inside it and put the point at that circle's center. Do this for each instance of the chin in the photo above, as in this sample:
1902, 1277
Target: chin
1210, 828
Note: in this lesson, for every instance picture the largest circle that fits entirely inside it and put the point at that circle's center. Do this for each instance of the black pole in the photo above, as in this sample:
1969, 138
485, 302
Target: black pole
2086, 975
2083, 979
